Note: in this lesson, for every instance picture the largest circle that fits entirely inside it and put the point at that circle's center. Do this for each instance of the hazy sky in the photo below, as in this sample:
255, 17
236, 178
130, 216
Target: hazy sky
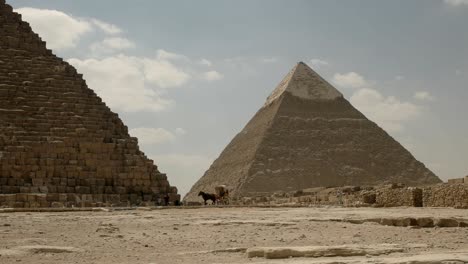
186, 76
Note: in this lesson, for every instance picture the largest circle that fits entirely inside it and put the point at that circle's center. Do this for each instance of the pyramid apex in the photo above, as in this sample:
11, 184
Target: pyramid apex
305, 83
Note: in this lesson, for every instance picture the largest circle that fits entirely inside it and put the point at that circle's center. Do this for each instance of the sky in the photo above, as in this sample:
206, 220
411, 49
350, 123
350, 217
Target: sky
186, 76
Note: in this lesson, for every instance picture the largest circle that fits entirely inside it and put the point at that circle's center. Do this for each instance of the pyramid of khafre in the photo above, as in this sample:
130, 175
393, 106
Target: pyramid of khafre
60, 145
308, 135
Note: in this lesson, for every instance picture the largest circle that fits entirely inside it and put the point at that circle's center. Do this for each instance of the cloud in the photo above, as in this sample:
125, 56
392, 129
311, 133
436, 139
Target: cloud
349, 80
180, 131
111, 45
62, 31
123, 82
182, 169
106, 27
166, 55
317, 63
59, 30
127, 83
424, 96
163, 73
399, 77
134, 84
205, 62
456, 2
212, 76
269, 60
152, 136
389, 112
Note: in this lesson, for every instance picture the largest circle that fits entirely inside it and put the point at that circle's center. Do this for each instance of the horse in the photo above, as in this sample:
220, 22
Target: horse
208, 196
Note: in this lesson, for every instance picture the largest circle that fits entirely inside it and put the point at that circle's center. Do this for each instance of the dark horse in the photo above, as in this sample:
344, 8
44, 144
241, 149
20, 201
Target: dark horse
207, 196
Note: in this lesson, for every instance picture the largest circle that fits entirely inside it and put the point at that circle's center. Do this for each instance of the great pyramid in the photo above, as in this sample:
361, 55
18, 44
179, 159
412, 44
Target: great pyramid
308, 135
60, 145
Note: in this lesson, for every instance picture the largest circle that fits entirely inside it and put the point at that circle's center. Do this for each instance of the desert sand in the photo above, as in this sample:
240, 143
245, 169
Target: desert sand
231, 235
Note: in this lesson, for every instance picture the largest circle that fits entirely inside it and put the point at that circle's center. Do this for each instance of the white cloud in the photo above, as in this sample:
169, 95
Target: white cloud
110, 45
423, 96
126, 83
458, 72
349, 80
166, 55
133, 84
106, 27
399, 77
456, 2
123, 83
317, 63
59, 30
269, 60
180, 131
152, 136
182, 169
205, 62
389, 112
212, 76
163, 73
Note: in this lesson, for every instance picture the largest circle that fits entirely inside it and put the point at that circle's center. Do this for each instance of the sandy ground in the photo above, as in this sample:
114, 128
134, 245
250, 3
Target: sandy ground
219, 235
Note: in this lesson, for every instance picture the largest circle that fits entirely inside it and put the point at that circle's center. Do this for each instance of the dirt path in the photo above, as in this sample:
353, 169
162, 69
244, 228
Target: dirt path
223, 235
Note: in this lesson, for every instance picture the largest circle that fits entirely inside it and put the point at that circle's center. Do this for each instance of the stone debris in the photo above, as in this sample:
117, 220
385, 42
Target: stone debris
423, 222
260, 223
60, 145
308, 135
107, 228
421, 258
322, 251
37, 249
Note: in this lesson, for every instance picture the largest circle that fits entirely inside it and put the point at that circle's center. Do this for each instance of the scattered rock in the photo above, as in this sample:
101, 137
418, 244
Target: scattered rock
446, 222
37, 249
425, 222
107, 228
322, 251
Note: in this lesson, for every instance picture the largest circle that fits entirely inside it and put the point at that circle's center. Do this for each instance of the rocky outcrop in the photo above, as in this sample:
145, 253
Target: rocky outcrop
308, 135
60, 145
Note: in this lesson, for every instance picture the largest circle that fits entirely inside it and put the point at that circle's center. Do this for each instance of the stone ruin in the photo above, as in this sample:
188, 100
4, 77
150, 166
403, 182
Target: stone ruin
308, 135
391, 195
60, 145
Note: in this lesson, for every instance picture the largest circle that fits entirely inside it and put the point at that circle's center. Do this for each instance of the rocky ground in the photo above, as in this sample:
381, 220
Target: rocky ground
236, 235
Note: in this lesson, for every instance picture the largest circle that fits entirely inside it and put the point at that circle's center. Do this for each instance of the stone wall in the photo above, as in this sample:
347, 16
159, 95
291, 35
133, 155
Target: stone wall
456, 181
393, 195
446, 195
60, 145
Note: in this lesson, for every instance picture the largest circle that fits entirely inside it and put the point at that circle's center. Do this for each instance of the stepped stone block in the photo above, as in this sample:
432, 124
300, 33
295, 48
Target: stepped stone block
308, 135
60, 145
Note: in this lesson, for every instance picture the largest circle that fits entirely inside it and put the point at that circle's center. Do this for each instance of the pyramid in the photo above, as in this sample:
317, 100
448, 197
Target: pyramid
60, 145
308, 135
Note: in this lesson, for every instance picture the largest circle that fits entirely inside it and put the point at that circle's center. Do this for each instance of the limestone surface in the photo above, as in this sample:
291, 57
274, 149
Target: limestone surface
60, 145
224, 235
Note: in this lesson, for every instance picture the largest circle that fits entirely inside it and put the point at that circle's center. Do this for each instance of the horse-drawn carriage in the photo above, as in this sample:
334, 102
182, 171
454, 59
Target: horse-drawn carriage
221, 195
